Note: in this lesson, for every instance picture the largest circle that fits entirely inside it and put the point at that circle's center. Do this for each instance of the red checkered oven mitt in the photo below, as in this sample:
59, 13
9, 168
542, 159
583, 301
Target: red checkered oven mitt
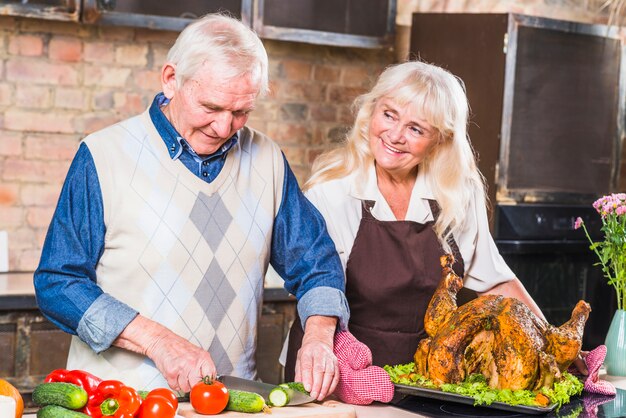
594, 361
360, 383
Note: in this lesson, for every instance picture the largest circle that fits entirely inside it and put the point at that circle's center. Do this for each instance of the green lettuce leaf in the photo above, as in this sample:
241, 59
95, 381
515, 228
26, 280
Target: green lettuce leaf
477, 387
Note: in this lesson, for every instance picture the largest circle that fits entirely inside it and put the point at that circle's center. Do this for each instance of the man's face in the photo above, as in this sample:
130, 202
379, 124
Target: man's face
208, 109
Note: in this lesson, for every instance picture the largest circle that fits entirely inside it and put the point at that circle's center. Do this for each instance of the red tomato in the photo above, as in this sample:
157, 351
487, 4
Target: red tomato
160, 403
157, 407
208, 396
165, 393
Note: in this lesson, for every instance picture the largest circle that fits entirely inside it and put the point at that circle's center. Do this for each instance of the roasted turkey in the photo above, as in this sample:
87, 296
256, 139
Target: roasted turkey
496, 336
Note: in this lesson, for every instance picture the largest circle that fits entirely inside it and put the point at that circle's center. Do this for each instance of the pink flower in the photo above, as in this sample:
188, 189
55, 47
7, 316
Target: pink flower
610, 251
597, 204
578, 223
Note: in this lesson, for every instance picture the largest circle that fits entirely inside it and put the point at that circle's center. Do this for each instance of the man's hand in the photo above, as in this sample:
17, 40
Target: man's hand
182, 363
316, 365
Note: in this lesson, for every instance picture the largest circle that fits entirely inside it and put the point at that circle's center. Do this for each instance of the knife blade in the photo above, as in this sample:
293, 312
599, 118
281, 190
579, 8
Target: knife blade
182, 396
263, 389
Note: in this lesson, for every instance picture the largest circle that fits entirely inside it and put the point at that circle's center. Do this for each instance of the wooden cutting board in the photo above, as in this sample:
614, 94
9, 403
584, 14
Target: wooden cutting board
328, 409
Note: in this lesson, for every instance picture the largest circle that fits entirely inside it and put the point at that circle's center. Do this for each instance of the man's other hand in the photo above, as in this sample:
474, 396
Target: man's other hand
316, 365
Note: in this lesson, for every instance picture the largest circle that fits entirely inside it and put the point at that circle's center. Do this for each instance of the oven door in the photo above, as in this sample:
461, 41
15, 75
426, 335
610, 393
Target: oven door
558, 274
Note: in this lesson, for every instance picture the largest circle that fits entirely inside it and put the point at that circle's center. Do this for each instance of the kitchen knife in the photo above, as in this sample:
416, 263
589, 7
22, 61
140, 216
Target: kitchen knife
263, 389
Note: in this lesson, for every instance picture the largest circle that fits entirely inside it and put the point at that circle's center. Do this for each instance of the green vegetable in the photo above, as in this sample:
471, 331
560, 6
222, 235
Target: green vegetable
55, 411
242, 401
279, 396
297, 386
404, 374
561, 391
67, 395
476, 386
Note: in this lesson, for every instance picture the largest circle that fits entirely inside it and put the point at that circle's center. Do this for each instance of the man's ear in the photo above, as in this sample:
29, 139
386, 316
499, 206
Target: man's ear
168, 80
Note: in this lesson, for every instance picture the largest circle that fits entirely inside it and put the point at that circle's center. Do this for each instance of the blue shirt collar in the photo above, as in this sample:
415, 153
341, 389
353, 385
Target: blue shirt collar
175, 143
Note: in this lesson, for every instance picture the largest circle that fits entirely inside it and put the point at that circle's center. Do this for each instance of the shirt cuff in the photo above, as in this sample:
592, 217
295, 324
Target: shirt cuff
104, 321
325, 301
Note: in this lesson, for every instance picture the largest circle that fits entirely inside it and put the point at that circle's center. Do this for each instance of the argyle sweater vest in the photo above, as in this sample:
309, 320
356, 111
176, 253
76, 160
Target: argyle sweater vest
188, 254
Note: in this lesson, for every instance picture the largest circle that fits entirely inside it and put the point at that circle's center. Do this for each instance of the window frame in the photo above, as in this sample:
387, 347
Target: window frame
70, 13
94, 15
323, 37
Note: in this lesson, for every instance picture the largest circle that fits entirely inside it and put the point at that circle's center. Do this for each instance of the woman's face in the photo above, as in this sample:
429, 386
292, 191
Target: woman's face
399, 139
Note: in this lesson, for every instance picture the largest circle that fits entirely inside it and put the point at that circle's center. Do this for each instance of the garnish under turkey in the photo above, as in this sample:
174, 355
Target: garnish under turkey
496, 336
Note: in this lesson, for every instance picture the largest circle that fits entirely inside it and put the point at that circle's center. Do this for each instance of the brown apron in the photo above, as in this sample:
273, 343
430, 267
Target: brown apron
391, 275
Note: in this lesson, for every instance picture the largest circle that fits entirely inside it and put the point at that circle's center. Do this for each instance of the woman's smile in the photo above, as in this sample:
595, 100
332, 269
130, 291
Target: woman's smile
391, 149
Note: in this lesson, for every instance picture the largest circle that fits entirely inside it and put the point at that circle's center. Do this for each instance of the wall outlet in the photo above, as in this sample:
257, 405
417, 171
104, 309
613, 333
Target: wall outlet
4, 251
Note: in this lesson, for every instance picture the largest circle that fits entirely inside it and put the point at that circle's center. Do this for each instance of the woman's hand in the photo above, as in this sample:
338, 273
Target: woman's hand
316, 365
580, 363
360, 383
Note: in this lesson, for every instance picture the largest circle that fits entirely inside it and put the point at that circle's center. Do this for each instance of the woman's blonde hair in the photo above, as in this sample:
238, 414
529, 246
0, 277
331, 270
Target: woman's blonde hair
220, 40
451, 168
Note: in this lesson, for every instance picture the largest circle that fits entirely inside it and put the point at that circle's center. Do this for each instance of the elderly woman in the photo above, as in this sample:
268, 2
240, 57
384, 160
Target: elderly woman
403, 190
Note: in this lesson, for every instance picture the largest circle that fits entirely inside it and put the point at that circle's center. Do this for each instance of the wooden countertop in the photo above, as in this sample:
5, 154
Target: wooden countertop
379, 410
333, 409
326, 409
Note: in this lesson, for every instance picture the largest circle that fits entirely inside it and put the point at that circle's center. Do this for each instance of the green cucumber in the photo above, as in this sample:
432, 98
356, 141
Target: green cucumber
55, 411
297, 386
279, 396
67, 395
242, 401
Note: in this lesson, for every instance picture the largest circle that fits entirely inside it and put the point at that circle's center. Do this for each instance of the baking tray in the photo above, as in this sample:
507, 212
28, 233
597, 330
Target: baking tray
468, 400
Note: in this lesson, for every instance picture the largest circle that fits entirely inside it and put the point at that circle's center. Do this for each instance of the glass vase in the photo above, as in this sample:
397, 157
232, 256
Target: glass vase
615, 362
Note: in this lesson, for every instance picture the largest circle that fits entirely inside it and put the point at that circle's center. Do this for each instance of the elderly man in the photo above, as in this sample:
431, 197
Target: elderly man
166, 224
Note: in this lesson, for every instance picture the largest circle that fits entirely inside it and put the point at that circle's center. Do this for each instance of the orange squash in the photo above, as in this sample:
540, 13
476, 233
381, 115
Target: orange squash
8, 389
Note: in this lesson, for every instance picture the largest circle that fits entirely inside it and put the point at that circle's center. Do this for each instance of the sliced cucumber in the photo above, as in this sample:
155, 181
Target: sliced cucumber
278, 396
297, 386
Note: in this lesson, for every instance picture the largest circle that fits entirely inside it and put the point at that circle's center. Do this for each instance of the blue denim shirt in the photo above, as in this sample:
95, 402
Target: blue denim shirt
302, 252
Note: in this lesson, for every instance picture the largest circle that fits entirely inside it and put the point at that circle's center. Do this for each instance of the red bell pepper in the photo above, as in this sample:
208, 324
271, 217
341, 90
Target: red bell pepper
81, 378
159, 403
113, 399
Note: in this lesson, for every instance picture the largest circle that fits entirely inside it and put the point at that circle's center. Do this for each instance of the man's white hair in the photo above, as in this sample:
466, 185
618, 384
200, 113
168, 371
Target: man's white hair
224, 42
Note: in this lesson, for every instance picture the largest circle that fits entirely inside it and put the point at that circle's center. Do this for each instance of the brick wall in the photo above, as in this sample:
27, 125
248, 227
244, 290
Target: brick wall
60, 81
